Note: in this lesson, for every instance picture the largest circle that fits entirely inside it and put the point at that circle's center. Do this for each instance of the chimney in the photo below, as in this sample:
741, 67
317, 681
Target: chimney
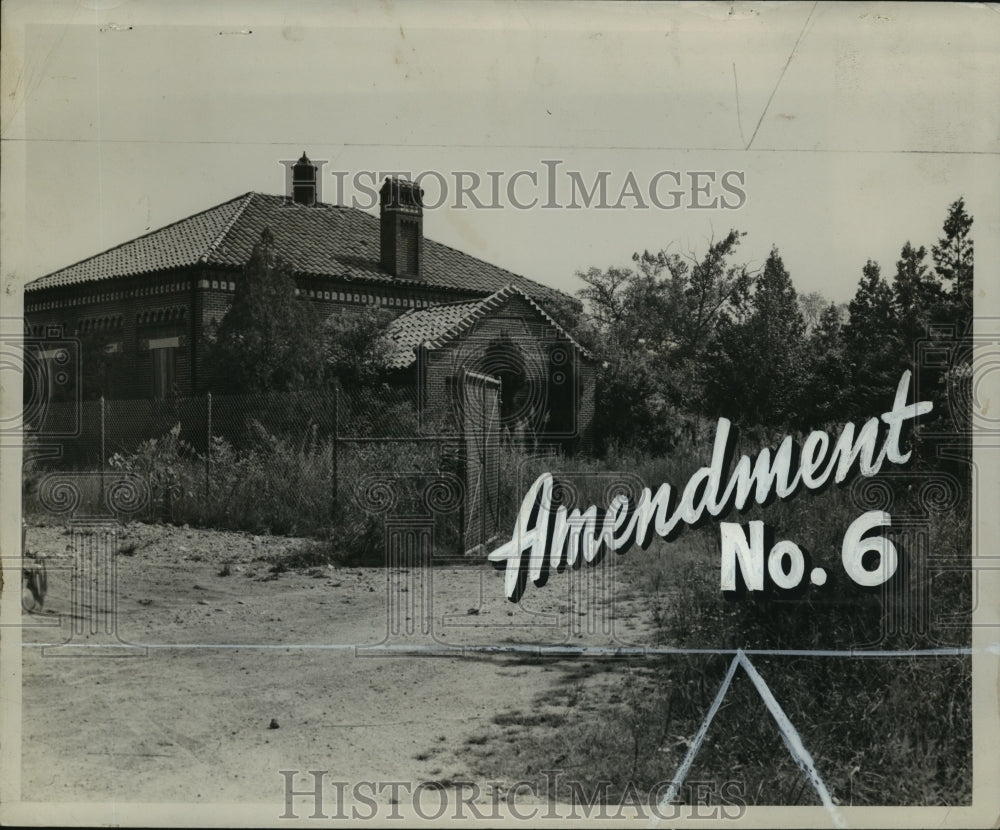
402, 227
304, 181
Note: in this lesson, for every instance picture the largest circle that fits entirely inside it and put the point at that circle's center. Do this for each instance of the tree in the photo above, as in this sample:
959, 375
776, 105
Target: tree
651, 329
568, 312
813, 306
954, 264
917, 295
632, 408
871, 343
695, 292
629, 392
757, 373
827, 374
355, 348
871, 315
954, 256
269, 339
610, 302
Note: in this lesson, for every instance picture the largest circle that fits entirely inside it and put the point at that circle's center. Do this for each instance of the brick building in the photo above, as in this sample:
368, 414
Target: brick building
141, 310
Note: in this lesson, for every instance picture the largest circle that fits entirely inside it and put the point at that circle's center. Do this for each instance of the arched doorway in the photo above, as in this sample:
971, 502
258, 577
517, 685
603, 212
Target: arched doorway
505, 360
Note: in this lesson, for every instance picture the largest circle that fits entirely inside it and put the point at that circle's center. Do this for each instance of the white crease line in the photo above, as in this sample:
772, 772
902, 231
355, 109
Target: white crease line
554, 651
792, 739
685, 767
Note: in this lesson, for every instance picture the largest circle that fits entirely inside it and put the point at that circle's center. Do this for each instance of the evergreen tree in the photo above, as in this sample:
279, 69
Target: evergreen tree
954, 261
870, 311
828, 378
953, 258
269, 339
871, 344
757, 373
917, 297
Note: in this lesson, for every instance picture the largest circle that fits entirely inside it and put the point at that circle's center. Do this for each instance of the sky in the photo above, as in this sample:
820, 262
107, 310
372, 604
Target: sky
844, 130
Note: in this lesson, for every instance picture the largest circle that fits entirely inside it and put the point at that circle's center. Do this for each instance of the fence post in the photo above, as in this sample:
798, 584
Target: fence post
102, 445
499, 448
482, 465
208, 446
333, 449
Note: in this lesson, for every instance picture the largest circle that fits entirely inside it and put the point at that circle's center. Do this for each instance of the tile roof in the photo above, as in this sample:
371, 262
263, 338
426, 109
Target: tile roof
183, 243
420, 325
325, 240
436, 325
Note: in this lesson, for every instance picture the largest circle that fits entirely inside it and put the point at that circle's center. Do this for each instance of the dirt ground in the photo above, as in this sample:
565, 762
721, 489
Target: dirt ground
243, 672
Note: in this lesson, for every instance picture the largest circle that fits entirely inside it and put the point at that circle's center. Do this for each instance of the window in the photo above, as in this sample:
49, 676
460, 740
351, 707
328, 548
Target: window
102, 364
164, 372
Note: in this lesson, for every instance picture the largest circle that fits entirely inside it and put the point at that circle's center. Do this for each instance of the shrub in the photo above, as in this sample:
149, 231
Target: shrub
285, 485
163, 463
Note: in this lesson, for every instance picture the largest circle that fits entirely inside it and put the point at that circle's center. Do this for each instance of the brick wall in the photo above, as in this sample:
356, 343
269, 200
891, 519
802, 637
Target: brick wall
542, 373
182, 303
585, 418
185, 303
110, 321
215, 289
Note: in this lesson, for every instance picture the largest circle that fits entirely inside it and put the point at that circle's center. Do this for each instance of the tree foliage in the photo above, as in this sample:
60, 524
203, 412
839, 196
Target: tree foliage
356, 349
812, 305
756, 374
687, 338
268, 339
692, 294
916, 293
954, 258
870, 342
679, 337
826, 376
652, 326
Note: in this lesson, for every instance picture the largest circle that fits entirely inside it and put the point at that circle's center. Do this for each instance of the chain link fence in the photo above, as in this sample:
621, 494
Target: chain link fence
326, 463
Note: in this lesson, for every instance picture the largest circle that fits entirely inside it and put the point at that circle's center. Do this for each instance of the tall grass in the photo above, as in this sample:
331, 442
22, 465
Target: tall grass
272, 484
875, 739
276, 487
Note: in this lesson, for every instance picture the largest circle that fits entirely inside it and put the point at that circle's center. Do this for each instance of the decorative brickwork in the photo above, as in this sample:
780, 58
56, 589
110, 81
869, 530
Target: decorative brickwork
143, 310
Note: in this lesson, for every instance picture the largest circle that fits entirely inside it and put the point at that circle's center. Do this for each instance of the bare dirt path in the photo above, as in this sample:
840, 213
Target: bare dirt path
232, 647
